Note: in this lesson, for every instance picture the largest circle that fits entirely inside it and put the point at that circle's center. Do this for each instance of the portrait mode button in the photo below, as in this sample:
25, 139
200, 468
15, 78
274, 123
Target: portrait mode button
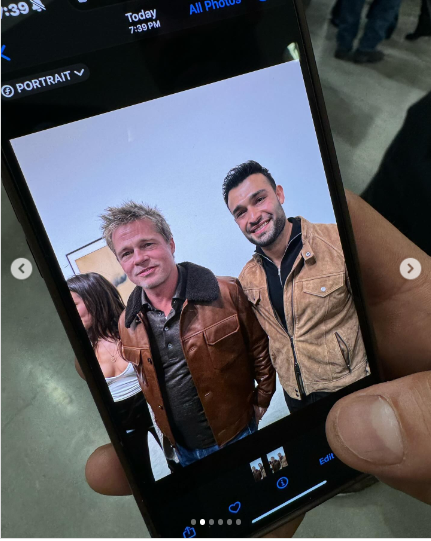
41, 82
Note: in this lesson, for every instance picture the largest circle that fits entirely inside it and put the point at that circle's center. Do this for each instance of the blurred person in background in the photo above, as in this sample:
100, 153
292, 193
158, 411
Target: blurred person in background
423, 28
346, 15
401, 189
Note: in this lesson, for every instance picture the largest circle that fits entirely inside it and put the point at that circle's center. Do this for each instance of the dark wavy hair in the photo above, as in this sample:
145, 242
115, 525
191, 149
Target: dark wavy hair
103, 303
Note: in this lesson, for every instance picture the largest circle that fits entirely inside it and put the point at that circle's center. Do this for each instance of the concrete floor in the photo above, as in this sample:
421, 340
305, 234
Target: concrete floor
49, 423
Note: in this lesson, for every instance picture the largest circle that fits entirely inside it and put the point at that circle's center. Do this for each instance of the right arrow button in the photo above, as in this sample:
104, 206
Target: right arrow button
410, 268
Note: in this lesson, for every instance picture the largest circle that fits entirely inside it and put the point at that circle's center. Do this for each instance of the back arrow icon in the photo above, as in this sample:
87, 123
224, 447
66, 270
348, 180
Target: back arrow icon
3, 47
20, 268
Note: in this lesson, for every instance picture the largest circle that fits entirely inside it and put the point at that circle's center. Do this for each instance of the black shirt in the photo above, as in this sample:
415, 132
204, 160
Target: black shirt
183, 406
275, 278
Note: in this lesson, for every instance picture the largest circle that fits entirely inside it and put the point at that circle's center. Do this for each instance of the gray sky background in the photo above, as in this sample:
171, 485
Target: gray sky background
174, 152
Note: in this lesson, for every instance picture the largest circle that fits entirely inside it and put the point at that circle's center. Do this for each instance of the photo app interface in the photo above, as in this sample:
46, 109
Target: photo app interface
199, 243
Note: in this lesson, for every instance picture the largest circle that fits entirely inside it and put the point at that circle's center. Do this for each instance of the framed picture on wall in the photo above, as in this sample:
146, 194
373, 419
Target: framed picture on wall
97, 257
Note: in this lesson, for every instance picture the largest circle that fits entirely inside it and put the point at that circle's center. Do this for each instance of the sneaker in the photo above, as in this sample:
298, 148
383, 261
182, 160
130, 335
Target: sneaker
342, 54
363, 57
417, 34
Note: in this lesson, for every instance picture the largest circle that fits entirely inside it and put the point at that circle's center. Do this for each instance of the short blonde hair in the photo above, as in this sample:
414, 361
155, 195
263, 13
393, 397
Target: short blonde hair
130, 212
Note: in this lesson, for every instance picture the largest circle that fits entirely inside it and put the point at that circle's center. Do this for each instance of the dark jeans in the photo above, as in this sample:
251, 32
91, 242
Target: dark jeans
188, 456
296, 405
135, 418
381, 16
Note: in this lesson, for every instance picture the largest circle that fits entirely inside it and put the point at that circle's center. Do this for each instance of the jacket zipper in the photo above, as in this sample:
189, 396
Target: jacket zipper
140, 321
298, 374
296, 367
346, 360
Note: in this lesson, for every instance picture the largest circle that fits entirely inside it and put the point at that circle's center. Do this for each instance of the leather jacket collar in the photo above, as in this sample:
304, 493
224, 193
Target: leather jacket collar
201, 286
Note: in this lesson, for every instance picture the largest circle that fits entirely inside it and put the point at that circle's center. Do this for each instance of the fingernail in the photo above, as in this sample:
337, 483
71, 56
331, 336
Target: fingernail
370, 429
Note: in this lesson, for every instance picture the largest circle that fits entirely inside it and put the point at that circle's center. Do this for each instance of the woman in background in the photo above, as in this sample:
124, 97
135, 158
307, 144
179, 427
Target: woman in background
100, 305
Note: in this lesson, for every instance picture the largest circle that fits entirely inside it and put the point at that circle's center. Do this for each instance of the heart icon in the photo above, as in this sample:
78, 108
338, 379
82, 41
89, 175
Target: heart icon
235, 507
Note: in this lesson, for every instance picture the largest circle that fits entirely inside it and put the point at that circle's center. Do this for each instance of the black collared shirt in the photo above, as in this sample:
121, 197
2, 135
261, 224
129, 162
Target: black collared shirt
183, 406
276, 278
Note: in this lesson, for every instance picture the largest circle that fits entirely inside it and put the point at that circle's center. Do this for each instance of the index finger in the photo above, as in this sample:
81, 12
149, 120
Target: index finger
105, 474
400, 309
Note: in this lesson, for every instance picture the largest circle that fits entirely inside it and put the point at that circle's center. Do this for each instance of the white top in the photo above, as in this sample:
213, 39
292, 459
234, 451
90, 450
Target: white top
124, 385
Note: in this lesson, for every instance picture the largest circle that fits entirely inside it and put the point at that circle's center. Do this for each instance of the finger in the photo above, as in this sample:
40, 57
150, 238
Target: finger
396, 305
105, 473
79, 369
385, 430
287, 530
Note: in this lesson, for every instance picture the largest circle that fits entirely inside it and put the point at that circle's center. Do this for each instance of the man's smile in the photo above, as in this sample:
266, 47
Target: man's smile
260, 227
146, 271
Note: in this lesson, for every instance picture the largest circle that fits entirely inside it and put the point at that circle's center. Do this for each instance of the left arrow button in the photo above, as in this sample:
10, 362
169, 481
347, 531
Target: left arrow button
21, 268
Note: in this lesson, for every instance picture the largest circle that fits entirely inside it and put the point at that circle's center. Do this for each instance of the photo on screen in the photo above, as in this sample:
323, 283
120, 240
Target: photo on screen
277, 459
186, 194
258, 470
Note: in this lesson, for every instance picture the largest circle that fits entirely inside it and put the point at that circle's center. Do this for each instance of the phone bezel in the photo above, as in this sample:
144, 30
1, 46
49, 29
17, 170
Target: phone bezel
50, 270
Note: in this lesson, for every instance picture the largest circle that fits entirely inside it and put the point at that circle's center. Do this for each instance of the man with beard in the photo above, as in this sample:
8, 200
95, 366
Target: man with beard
298, 286
282, 460
200, 355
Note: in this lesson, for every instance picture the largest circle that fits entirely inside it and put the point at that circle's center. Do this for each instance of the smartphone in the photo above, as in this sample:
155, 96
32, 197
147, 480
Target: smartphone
158, 154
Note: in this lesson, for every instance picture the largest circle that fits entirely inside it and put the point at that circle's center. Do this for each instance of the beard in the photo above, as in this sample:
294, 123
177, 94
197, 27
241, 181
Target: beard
278, 225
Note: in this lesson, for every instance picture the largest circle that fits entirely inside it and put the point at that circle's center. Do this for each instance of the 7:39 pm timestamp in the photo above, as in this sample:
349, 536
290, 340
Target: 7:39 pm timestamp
144, 27
22, 8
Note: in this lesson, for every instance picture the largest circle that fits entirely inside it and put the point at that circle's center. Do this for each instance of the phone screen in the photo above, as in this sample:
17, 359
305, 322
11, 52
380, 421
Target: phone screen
173, 163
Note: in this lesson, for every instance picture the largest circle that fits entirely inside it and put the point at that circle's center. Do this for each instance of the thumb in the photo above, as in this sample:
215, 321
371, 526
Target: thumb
385, 430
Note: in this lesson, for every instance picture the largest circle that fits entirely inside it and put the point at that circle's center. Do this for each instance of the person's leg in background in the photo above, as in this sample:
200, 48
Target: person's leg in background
349, 18
335, 13
381, 17
423, 27
392, 26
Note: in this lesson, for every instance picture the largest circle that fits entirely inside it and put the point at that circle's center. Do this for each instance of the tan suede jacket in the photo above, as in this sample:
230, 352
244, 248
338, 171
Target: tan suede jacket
323, 339
225, 348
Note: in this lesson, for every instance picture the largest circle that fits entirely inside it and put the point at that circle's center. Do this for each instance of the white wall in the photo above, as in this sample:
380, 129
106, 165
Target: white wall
175, 152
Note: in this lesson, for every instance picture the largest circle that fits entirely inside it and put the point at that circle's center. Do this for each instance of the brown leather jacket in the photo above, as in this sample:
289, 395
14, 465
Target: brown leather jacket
225, 348
323, 328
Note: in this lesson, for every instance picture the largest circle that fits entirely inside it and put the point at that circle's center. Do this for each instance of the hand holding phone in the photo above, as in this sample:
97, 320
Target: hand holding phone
403, 461
183, 358
385, 429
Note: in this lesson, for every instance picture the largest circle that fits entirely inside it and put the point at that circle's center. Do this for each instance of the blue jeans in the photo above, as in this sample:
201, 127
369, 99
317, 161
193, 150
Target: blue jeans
381, 15
188, 456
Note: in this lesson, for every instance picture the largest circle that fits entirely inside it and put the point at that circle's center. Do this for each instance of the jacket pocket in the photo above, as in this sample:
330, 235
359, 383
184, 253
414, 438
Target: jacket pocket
253, 295
223, 341
323, 286
323, 298
344, 348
